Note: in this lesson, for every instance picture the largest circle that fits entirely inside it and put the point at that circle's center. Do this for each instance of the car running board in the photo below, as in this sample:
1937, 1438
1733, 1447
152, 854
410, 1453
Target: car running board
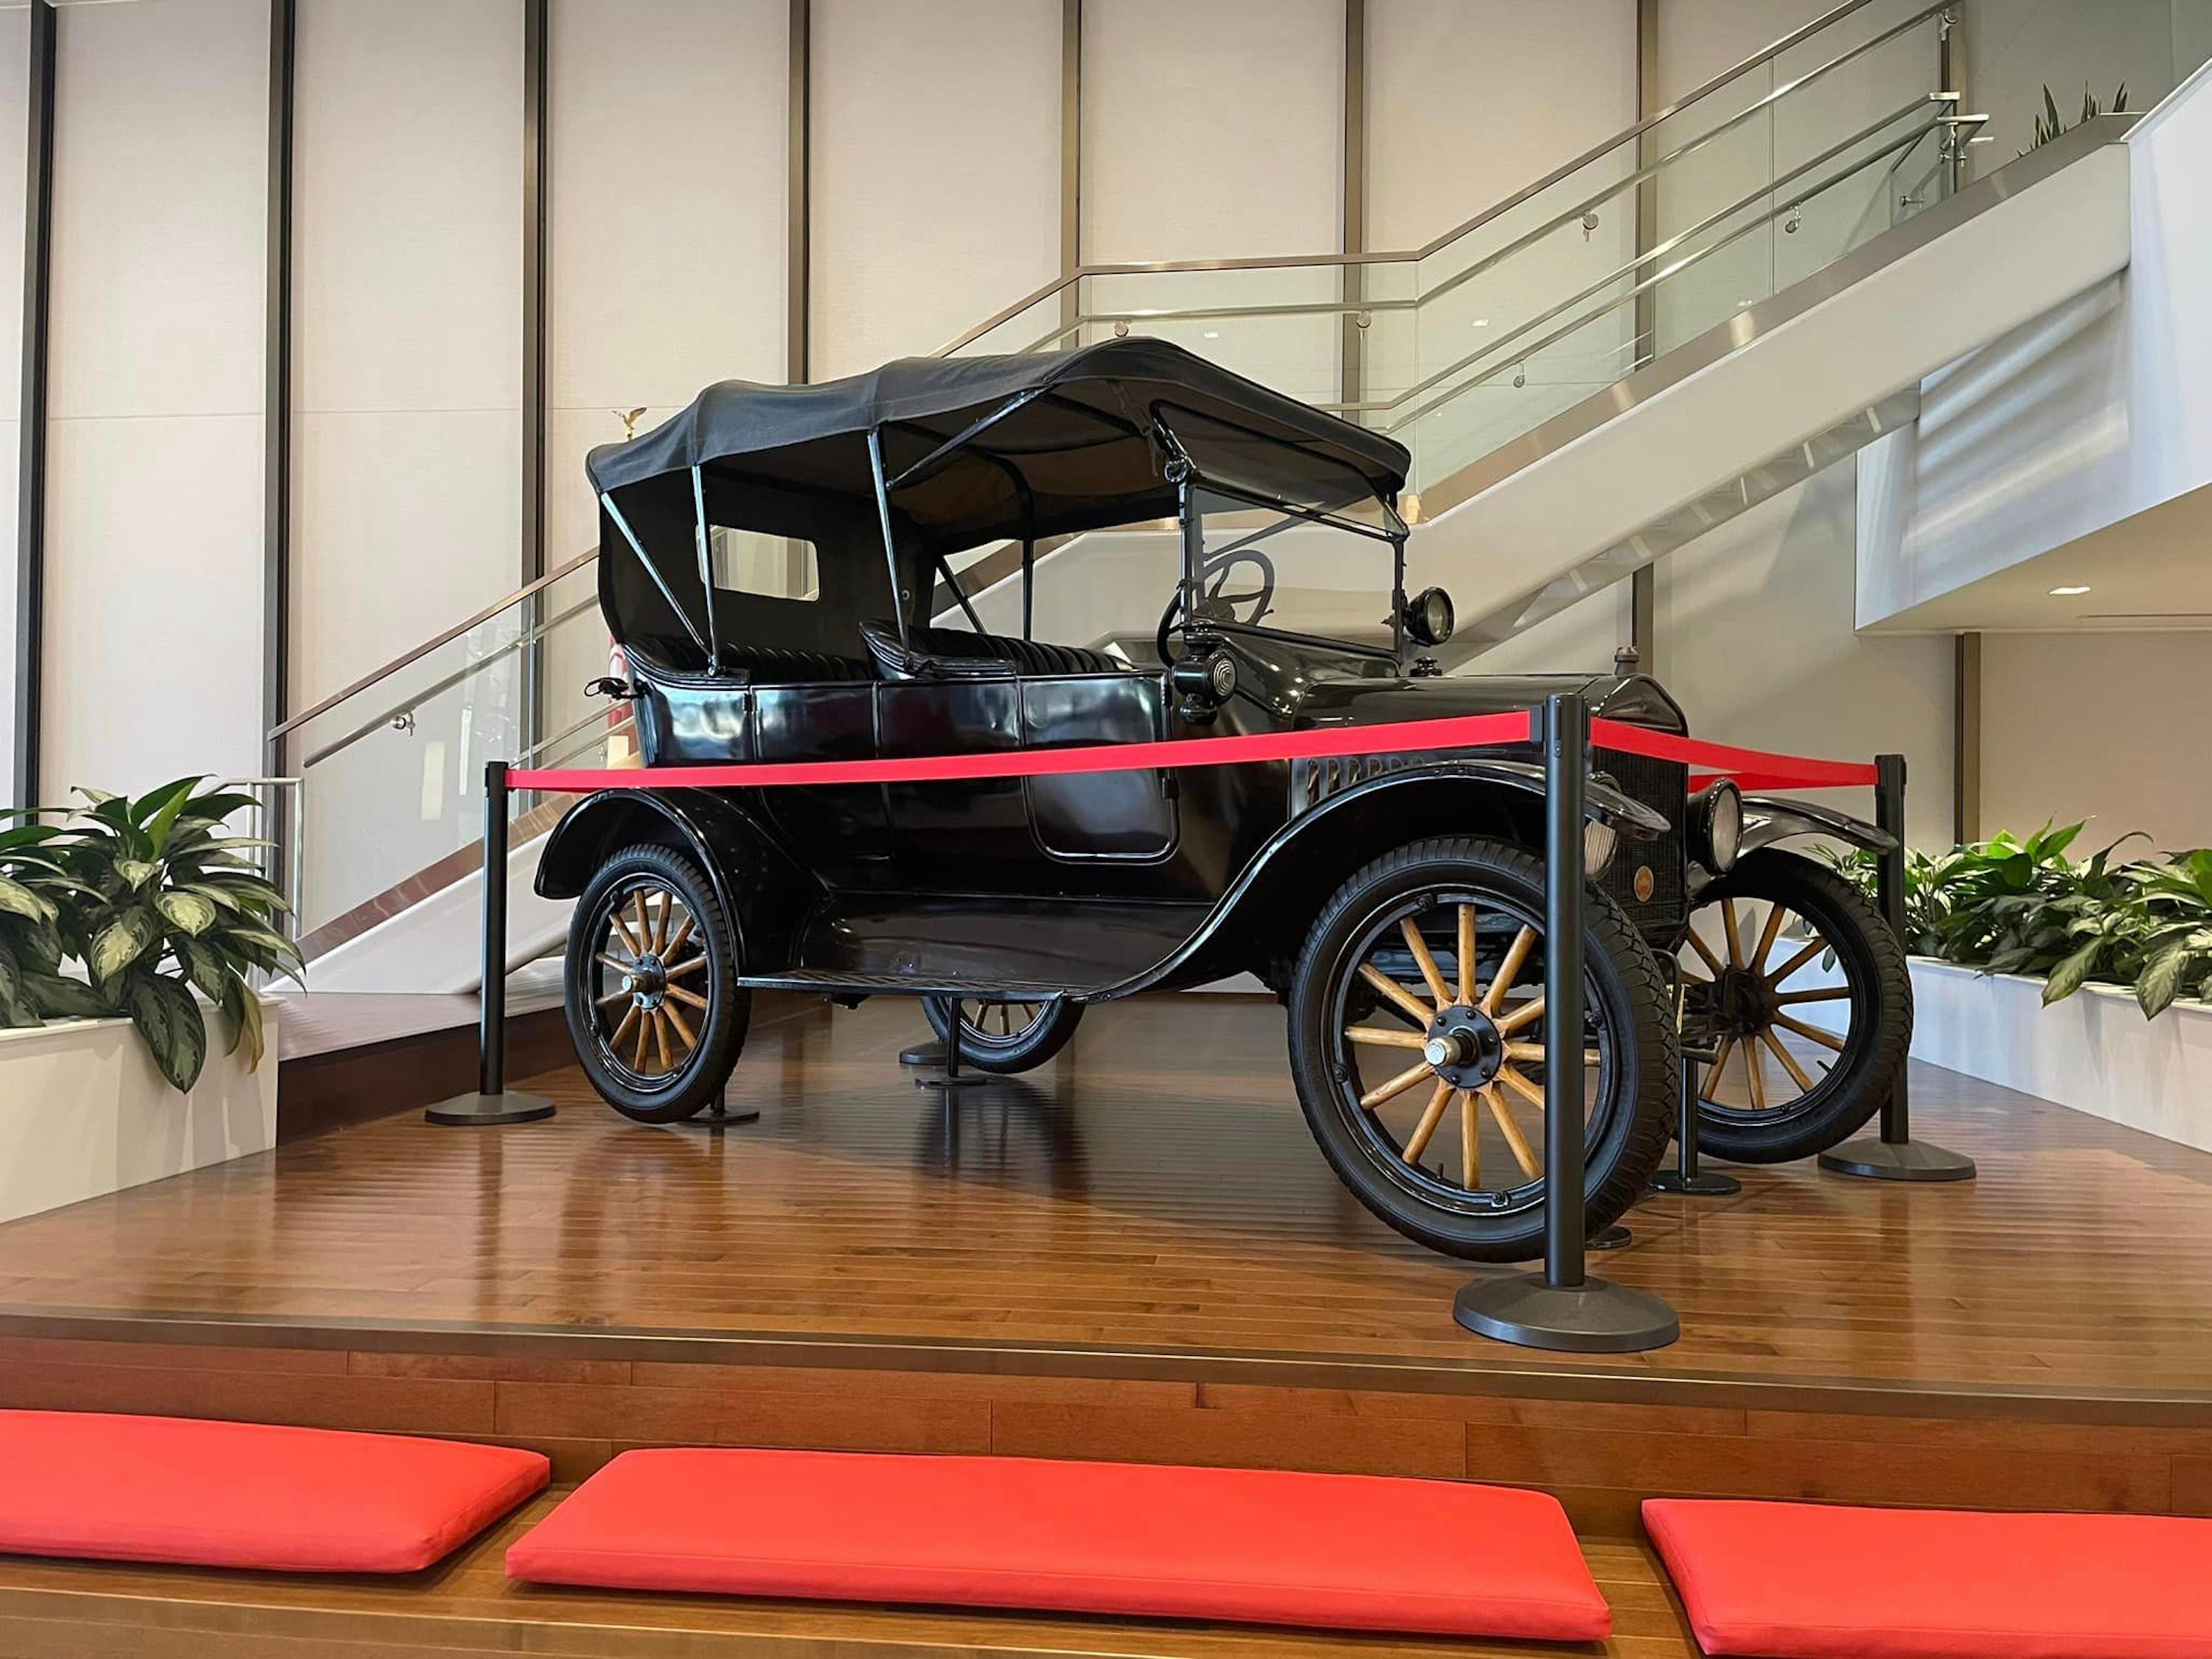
907, 944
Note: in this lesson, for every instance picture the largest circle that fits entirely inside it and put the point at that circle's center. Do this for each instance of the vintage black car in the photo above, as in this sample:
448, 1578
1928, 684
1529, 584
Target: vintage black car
778, 568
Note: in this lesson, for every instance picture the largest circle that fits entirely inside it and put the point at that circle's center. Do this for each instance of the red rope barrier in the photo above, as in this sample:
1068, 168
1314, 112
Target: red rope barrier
1752, 766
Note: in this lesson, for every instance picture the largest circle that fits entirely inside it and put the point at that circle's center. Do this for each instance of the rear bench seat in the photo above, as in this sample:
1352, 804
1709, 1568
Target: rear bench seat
958, 653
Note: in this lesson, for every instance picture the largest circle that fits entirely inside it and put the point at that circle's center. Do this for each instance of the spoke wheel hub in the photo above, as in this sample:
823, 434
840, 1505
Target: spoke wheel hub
1465, 1047
1744, 1001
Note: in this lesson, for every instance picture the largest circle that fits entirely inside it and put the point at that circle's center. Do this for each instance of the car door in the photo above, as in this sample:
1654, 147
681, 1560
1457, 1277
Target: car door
1128, 816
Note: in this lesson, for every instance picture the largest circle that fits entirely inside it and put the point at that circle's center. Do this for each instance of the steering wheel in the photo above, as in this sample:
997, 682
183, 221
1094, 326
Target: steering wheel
1215, 603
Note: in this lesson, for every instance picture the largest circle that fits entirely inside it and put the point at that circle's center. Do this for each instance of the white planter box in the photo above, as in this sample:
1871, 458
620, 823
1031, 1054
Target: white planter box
84, 1112
2094, 1052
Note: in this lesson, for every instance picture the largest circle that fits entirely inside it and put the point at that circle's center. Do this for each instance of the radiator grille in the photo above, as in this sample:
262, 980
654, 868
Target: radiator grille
1662, 785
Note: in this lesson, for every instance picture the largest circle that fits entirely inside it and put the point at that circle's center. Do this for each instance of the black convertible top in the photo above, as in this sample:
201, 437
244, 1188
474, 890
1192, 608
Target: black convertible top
1056, 443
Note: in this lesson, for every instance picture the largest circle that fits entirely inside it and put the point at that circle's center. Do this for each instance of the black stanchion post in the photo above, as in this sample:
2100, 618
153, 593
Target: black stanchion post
1563, 1308
948, 1056
1686, 1176
1894, 1155
491, 1103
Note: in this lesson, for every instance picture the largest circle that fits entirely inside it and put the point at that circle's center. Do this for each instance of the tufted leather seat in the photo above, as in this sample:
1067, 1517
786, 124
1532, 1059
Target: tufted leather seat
767, 665
955, 653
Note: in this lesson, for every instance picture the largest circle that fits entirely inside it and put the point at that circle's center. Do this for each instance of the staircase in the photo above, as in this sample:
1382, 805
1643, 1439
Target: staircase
1702, 311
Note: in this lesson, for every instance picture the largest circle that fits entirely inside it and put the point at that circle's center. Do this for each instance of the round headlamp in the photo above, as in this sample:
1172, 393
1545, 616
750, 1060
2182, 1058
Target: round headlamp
1600, 842
1717, 821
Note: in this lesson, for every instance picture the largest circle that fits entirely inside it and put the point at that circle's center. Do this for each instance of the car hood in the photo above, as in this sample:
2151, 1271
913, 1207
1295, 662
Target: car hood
1324, 688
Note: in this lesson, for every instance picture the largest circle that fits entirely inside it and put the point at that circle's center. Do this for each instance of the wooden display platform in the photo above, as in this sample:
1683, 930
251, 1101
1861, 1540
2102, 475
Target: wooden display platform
1137, 1253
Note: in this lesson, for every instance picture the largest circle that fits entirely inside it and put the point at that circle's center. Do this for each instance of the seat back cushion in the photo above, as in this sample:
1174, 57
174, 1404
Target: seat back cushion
1267, 1545
98, 1486
1818, 1581
958, 653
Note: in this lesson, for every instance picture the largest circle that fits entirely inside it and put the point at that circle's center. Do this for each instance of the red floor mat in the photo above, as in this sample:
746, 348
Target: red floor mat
204, 1494
1816, 1581
1264, 1545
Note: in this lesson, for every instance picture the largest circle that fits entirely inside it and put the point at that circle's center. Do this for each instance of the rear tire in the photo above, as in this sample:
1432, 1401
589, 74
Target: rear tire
1849, 1076
1003, 1035
1475, 1118
650, 986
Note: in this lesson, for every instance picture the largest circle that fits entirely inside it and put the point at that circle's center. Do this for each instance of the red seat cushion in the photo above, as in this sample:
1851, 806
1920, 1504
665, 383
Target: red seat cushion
244, 1494
1352, 1552
1808, 1581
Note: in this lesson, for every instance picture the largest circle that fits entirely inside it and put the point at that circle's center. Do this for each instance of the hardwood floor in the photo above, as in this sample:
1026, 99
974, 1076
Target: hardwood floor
1137, 1253
57, 1610
1153, 1191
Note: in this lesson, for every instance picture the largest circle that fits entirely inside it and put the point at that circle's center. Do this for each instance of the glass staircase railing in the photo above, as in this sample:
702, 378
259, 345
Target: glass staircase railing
391, 769
1755, 181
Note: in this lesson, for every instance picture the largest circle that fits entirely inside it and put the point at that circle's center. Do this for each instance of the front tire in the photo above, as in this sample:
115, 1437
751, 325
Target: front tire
1443, 939
1002, 1036
650, 986
1786, 1084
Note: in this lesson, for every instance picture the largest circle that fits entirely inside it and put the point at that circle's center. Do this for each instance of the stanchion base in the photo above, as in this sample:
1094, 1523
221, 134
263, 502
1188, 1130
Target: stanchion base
923, 1054
1704, 1184
957, 1080
1871, 1158
716, 1118
483, 1110
1596, 1316
1615, 1237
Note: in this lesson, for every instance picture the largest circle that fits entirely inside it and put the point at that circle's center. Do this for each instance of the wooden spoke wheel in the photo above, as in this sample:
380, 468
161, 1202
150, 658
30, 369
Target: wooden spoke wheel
1006, 1034
1798, 988
653, 1002
1418, 1031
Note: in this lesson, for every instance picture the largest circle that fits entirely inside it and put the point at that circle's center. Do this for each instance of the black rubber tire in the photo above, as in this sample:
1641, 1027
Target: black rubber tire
694, 1085
1024, 1051
1631, 1122
1874, 966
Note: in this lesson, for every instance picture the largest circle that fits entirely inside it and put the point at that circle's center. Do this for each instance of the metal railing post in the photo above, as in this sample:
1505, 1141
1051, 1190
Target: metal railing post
1563, 1307
1894, 1155
491, 1103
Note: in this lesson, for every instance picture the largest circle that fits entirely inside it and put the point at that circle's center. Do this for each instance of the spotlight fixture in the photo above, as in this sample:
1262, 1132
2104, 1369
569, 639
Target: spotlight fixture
2069, 593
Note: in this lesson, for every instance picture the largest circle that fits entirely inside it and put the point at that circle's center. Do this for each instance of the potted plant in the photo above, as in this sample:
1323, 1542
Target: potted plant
122, 929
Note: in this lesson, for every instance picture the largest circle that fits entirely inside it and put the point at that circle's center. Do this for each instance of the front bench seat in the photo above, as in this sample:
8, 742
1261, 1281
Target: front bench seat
953, 653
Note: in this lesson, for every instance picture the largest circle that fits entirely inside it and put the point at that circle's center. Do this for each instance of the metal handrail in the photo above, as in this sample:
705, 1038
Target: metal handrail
1899, 147
430, 645
399, 711
1279, 262
1711, 221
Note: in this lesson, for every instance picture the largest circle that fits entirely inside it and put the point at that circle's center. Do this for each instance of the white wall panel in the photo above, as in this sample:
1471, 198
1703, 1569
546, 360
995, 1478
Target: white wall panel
2102, 726
1755, 624
1212, 130
936, 171
407, 337
15, 71
1468, 102
153, 627
661, 278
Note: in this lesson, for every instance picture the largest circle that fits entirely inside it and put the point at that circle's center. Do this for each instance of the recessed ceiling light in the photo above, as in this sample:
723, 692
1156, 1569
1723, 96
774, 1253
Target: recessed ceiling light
1214, 334
1480, 322
2069, 593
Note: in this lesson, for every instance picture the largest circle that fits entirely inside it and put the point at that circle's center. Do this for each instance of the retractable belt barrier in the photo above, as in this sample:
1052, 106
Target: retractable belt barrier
1561, 1307
1751, 768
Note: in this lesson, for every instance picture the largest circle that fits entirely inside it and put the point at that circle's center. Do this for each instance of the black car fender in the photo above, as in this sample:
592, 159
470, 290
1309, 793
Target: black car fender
1767, 820
1274, 901
741, 860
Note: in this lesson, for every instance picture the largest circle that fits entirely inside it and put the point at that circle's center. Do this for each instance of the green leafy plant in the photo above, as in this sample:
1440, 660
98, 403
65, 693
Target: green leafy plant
2048, 126
2021, 905
154, 899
